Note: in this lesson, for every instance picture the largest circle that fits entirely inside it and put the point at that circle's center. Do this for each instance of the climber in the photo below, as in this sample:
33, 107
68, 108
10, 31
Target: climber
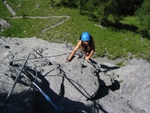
87, 46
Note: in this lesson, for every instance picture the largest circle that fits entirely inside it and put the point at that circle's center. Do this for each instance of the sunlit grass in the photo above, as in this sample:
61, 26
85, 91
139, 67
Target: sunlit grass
3, 11
109, 41
131, 20
25, 27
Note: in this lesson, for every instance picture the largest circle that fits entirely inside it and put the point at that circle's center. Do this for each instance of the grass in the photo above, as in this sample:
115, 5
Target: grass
25, 27
110, 42
4, 13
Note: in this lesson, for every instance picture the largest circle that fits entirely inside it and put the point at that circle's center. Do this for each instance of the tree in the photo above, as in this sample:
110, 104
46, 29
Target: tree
52, 3
105, 11
70, 3
143, 14
90, 7
106, 8
81, 6
101, 12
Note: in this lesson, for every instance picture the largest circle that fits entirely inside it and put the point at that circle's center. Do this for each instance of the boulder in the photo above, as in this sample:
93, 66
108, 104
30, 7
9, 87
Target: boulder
76, 87
3, 24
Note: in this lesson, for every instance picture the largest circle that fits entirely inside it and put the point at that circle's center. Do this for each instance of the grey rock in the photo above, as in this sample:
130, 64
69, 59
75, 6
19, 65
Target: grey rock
79, 86
3, 24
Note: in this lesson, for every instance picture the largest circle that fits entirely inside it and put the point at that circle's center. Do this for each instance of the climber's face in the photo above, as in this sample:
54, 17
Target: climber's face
86, 43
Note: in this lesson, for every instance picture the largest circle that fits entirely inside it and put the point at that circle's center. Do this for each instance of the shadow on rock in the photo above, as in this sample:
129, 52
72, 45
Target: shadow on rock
18, 103
33, 101
96, 106
103, 90
41, 103
103, 67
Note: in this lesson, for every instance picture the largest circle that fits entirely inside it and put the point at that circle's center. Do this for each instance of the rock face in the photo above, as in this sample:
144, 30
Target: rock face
75, 87
3, 24
135, 86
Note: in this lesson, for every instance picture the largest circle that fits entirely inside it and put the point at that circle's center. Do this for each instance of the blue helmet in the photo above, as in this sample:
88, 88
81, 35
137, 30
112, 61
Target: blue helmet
85, 36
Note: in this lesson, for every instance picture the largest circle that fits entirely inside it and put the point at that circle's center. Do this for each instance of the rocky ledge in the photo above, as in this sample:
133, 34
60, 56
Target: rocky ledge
34, 78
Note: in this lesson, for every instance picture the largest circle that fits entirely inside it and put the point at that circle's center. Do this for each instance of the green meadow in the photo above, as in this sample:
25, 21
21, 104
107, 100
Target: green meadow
110, 41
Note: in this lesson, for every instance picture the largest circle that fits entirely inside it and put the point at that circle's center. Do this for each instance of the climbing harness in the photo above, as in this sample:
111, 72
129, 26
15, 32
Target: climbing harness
59, 109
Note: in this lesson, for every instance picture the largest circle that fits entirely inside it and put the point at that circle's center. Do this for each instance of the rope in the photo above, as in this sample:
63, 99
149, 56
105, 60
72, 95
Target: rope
27, 90
59, 109
71, 81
